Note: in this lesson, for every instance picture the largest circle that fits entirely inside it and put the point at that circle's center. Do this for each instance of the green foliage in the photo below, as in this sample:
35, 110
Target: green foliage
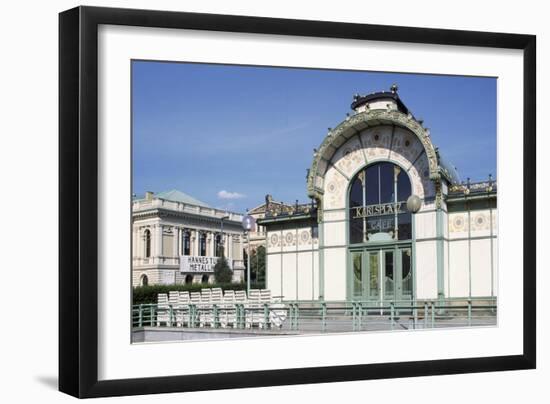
148, 294
257, 265
222, 272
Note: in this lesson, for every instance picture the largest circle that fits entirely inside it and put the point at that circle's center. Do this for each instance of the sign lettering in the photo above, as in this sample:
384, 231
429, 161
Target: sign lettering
193, 263
378, 210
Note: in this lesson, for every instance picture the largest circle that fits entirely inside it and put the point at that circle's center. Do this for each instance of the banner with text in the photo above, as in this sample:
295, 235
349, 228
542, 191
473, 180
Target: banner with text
192, 263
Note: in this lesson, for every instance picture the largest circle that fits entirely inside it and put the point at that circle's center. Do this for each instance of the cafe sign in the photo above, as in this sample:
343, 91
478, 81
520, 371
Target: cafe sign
392, 208
192, 263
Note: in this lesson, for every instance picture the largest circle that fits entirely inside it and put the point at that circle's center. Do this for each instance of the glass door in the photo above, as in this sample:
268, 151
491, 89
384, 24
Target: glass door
406, 281
381, 274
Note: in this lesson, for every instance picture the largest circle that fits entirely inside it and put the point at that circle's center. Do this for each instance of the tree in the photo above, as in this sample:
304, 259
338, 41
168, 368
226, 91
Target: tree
257, 265
222, 272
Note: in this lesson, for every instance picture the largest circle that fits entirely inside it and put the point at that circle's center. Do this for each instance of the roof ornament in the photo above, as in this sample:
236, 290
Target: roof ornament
394, 88
490, 186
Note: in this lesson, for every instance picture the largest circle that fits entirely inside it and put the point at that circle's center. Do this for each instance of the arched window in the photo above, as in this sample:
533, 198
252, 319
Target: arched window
147, 239
144, 281
204, 279
188, 279
218, 245
186, 243
377, 204
202, 245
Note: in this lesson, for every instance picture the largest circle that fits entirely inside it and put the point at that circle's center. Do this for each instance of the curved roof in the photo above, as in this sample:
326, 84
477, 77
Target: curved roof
382, 95
447, 169
357, 123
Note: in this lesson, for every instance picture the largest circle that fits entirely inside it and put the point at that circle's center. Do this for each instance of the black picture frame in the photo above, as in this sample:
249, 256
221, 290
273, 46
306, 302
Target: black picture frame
78, 196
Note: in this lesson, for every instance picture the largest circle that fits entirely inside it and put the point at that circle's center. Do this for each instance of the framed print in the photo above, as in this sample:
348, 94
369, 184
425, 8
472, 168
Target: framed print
250, 201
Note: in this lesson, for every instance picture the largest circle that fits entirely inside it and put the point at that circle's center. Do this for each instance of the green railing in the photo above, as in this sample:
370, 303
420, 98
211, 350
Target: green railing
322, 316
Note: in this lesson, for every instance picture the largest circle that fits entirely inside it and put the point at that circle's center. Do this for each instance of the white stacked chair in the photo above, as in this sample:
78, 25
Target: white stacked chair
265, 298
182, 309
163, 309
173, 297
240, 296
253, 309
228, 312
195, 299
216, 298
205, 307
277, 310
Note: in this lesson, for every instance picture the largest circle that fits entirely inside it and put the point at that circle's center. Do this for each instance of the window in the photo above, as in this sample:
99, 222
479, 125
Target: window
218, 245
188, 279
202, 245
147, 237
377, 204
144, 281
204, 279
186, 243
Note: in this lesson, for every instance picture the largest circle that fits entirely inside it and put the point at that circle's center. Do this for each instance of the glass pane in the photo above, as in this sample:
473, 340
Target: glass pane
404, 226
386, 183
372, 185
406, 271
356, 229
374, 284
357, 275
388, 274
356, 193
403, 187
377, 198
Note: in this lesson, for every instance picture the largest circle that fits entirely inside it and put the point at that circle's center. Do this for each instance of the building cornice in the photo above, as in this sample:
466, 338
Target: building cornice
188, 216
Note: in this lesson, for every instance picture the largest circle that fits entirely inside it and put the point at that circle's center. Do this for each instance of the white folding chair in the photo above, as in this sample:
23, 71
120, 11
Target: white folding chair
182, 309
253, 309
163, 309
228, 310
195, 299
205, 307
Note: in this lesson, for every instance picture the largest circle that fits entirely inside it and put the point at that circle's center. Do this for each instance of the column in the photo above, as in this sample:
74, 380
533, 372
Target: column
135, 242
210, 247
175, 241
158, 240
229, 246
180, 242
226, 239
240, 244
195, 244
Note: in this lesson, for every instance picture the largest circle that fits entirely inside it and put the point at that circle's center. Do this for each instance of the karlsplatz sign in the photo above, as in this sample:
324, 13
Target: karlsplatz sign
192, 263
393, 208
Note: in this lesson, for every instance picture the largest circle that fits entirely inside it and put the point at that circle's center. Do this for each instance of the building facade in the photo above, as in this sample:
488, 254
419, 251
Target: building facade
179, 239
391, 220
258, 233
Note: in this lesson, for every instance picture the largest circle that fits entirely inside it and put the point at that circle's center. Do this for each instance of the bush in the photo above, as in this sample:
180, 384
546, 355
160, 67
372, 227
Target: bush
148, 294
222, 272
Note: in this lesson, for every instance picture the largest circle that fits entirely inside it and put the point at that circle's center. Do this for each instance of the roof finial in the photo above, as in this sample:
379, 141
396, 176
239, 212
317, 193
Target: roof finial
394, 88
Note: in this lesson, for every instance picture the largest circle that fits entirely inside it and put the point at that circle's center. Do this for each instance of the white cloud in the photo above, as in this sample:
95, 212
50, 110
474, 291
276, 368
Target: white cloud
223, 194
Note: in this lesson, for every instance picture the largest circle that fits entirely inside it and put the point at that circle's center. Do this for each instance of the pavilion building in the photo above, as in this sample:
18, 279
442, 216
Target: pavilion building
390, 219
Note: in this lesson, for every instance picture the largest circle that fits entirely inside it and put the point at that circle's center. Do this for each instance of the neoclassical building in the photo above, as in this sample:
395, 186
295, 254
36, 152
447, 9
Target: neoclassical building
391, 219
178, 239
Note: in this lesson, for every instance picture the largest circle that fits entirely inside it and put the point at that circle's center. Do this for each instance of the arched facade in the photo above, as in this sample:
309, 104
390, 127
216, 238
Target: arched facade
329, 253
388, 140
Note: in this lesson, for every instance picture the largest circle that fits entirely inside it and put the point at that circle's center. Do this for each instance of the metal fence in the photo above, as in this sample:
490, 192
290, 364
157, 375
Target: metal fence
322, 316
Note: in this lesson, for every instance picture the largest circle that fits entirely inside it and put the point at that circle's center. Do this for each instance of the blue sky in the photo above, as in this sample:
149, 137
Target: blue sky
227, 135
